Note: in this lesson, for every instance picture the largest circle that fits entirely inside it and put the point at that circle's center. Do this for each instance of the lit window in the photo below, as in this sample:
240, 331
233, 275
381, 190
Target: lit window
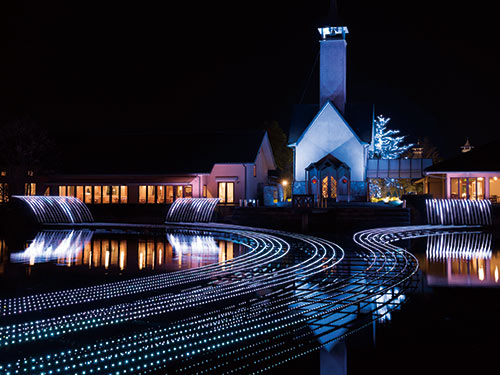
324, 187
170, 194
454, 188
151, 194
254, 170
3, 173
226, 192
188, 191
62, 191
106, 192
495, 189
178, 192
4, 192
47, 192
79, 192
88, 194
142, 194
204, 191
115, 194
30, 188
123, 194
71, 191
97, 194
30, 173
160, 194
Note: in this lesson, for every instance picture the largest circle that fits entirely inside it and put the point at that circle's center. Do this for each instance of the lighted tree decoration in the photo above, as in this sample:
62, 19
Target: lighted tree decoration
386, 145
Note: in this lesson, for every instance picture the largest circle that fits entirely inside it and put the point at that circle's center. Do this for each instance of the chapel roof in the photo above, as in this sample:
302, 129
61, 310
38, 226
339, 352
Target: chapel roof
326, 160
358, 115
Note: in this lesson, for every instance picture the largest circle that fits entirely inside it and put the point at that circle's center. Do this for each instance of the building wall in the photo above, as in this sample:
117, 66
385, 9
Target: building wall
227, 173
329, 134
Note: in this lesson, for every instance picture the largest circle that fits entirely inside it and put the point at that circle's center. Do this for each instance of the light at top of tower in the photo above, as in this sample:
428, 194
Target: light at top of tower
332, 31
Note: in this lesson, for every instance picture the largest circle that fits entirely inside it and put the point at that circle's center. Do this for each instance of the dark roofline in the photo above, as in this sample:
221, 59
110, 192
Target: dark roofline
485, 158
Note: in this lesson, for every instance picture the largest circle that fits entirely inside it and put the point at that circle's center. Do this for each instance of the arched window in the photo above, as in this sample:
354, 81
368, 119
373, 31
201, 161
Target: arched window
333, 187
329, 187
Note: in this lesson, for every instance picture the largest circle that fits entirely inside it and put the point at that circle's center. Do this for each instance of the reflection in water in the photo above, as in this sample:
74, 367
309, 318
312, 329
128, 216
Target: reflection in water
81, 248
460, 245
104, 253
388, 301
197, 250
461, 259
60, 246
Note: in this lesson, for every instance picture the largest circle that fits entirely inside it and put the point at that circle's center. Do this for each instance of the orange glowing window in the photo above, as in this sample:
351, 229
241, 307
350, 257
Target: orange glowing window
142, 194
123, 194
106, 193
97, 194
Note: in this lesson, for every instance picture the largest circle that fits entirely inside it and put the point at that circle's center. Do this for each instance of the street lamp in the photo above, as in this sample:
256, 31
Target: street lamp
284, 183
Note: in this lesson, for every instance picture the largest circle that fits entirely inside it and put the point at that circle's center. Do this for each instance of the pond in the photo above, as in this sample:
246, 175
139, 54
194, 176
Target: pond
124, 301
76, 257
451, 323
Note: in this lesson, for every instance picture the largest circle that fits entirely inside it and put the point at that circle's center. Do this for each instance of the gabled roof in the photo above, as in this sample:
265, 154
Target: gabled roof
157, 153
327, 159
485, 158
357, 117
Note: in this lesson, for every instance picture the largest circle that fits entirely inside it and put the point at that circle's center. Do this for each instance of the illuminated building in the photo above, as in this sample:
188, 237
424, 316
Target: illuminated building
331, 141
474, 174
157, 169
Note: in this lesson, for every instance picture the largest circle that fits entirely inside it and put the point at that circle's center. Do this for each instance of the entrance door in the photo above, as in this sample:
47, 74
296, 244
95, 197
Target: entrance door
226, 192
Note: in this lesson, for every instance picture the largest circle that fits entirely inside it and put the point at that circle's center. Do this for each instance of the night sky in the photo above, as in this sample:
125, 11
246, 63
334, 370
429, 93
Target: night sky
103, 67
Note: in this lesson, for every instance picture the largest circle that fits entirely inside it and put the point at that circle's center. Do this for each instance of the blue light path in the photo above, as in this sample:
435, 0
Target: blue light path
287, 296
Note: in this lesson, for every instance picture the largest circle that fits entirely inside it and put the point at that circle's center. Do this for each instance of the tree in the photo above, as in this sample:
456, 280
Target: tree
24, 147
283, 155
387, 146
431, 151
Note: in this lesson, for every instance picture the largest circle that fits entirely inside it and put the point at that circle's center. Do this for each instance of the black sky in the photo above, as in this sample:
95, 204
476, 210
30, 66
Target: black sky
110, 67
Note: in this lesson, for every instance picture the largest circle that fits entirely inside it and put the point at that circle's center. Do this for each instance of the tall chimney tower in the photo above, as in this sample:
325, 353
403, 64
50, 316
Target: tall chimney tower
332, 66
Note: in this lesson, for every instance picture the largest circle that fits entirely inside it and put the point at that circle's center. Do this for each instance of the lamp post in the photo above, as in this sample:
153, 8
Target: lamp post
284, 183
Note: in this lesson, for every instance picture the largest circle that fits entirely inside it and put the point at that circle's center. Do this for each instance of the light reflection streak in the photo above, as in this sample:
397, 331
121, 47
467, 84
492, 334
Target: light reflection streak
49, 246
461, 259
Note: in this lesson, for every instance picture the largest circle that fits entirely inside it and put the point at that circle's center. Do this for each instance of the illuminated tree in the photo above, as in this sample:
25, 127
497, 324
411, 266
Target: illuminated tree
386, 145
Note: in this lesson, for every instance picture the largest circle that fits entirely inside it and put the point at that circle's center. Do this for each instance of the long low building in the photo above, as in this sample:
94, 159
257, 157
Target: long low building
157, 169
471, 175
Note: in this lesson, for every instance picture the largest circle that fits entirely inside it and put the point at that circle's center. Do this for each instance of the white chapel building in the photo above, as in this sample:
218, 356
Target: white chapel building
330, 159
330, 153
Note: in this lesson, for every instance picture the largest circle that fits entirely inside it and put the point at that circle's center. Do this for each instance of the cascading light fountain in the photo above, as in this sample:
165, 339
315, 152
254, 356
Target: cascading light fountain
55, 210
458, 212
192, 210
